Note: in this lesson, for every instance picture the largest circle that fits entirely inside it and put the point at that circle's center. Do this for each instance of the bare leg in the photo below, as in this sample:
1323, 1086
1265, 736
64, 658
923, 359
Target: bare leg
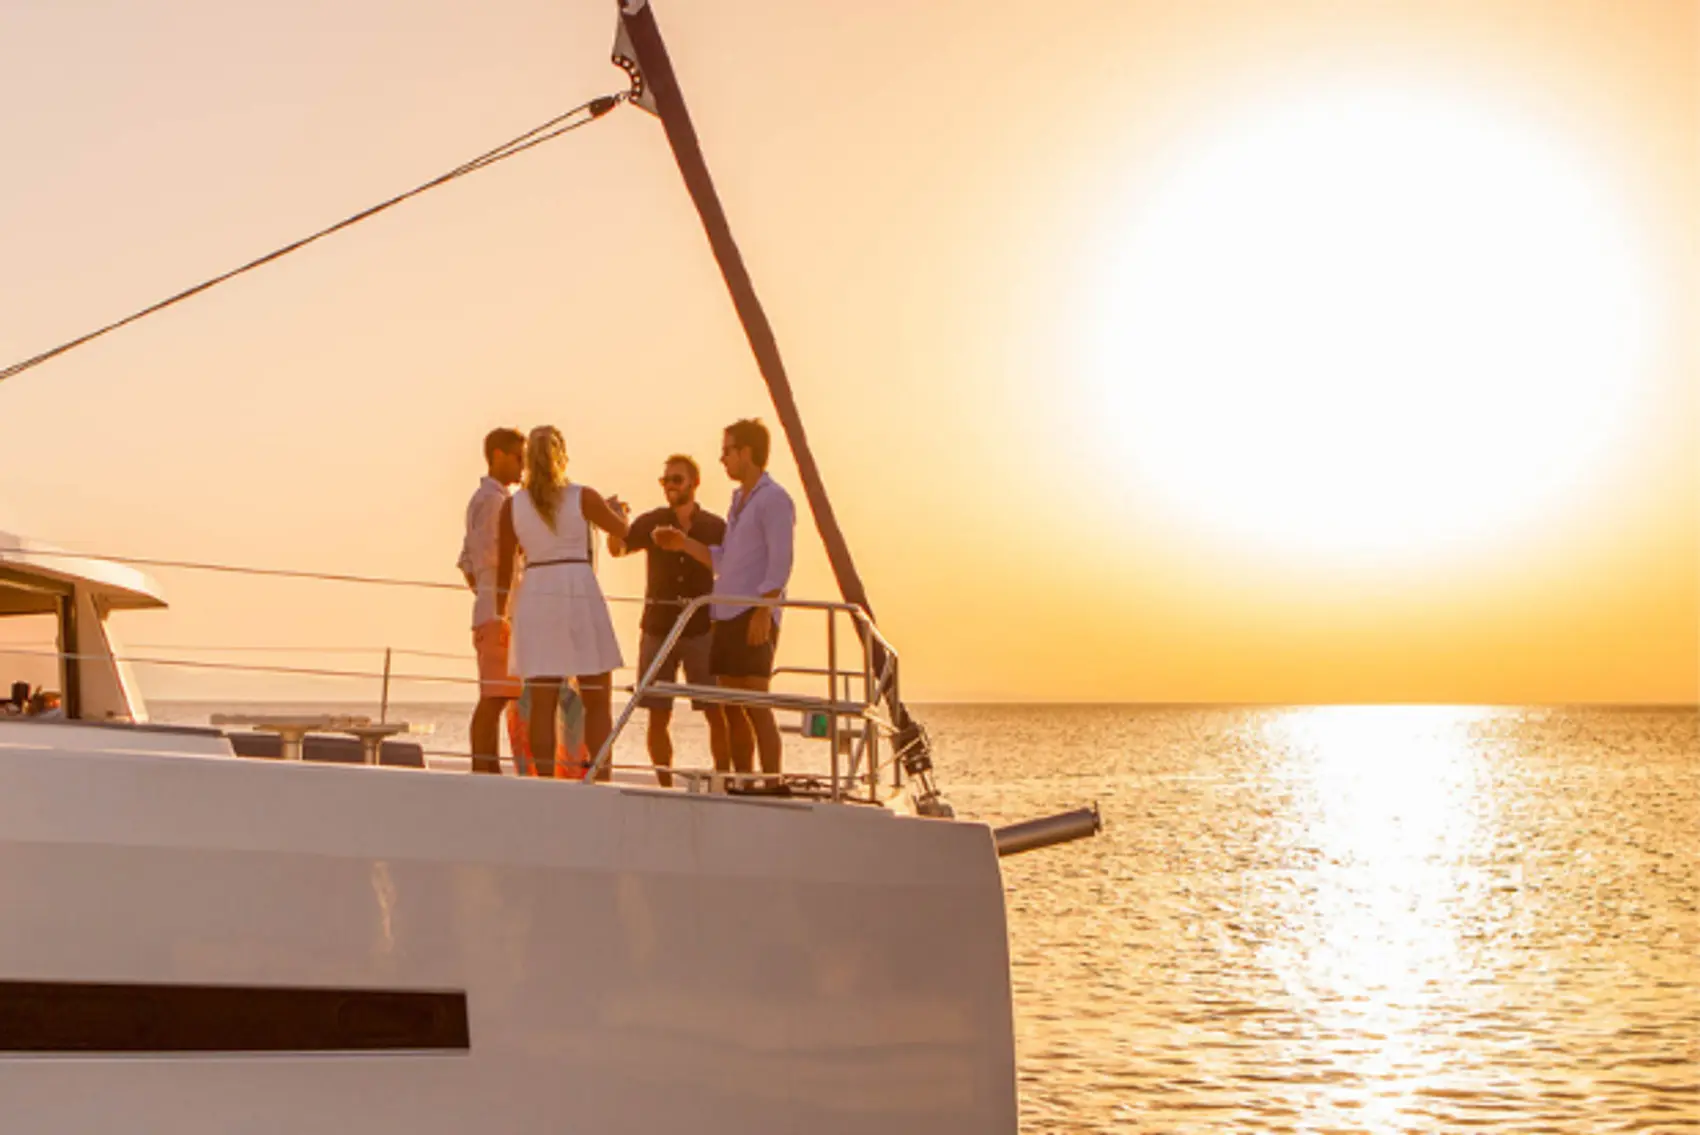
545, 700
486, 731
768, 743
741, 739
661, 744
597, 690
759, 722
719, 738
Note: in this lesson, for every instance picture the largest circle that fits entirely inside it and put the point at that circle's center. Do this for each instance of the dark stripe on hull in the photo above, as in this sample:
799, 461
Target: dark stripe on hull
53, 1016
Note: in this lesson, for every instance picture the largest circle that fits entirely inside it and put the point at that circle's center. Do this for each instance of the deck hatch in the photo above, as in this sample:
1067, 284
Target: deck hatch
57, 1016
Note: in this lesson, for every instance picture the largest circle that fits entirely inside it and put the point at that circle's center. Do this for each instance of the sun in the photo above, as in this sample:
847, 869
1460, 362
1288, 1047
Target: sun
1370, 324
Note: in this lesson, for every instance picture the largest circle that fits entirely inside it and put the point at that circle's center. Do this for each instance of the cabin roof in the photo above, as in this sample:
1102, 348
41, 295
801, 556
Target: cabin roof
33, 575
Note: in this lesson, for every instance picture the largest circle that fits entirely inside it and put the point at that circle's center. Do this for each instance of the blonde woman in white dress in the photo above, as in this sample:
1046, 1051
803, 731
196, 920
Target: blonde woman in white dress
561, 628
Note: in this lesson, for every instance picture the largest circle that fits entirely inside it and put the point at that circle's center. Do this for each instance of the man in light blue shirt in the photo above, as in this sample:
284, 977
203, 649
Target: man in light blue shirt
753, 560
504, 457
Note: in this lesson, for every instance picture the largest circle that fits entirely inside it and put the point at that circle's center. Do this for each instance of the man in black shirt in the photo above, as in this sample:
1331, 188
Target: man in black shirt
674, 579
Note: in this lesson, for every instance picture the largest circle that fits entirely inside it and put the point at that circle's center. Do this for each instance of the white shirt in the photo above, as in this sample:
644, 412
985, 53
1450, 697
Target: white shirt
755, 557
478, 551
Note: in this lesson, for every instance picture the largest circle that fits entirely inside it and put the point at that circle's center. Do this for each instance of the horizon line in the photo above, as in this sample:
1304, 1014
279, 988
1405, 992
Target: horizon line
1130, 703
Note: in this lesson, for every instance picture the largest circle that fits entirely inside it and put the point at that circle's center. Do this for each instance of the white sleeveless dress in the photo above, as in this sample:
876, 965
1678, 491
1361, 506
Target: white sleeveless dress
561, 626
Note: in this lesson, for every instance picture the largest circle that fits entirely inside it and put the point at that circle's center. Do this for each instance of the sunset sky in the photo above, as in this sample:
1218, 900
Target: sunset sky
1164, 351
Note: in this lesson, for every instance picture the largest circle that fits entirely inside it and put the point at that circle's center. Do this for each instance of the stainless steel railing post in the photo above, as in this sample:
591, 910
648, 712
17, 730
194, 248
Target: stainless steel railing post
384, 698
872, 722
869, 731
645, 680
832, 696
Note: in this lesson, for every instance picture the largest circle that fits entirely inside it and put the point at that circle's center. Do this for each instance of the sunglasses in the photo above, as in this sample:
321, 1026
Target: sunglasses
675, 479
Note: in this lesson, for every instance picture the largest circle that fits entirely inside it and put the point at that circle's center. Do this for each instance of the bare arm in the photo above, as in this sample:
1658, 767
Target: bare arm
506, 543
698, 551
676, 541
617, 545
600, 513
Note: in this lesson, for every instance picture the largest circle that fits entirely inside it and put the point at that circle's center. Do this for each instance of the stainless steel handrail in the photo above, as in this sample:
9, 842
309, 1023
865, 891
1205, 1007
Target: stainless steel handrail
874, 686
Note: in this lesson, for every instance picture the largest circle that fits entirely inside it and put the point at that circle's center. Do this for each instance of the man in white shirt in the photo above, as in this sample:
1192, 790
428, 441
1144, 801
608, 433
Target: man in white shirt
753, 560
504, 455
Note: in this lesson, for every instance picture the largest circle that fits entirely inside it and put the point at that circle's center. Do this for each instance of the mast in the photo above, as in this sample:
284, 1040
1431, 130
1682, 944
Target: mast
661, 85
656, 88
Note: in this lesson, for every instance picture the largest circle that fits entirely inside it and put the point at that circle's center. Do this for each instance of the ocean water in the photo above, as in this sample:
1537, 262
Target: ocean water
1339, 919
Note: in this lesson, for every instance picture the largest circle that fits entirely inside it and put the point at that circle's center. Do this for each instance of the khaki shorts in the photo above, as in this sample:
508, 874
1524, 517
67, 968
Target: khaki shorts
690, 652
490, 641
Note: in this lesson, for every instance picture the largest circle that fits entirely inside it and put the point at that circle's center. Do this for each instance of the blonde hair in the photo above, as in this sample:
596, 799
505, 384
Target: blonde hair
546, 471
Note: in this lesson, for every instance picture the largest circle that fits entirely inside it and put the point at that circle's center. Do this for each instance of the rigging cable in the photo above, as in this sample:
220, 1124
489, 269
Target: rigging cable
207, 648
581, 115
250, 668
24, 554
240, 667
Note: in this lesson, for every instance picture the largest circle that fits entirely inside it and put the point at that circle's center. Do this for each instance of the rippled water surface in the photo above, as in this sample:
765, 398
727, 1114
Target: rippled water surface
1341, 919
1350, 919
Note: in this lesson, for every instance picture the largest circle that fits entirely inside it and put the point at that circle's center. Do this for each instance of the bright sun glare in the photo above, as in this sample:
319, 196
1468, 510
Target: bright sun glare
1371, 324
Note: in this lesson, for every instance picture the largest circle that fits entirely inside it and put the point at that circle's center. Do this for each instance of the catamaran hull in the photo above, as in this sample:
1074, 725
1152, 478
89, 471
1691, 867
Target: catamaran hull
628, 960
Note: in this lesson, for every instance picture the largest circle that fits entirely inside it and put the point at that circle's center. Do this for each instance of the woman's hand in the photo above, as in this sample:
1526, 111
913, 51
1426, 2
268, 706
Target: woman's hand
603, 513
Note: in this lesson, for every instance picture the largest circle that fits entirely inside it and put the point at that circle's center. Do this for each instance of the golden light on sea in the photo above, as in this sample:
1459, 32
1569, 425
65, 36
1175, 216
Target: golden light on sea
1389, 801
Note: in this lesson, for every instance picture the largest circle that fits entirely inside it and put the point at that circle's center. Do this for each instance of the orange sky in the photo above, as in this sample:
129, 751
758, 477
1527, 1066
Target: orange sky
937, 202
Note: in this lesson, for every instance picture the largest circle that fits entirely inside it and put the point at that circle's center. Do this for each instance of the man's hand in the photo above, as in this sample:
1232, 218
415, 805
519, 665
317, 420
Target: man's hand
620, 506
761, 625
672, 540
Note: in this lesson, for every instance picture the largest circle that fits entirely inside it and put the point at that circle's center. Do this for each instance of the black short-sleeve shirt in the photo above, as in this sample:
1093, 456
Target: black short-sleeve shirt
674, 575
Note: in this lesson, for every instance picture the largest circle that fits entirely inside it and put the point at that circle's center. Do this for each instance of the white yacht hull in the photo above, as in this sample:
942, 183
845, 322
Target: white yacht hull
632, 960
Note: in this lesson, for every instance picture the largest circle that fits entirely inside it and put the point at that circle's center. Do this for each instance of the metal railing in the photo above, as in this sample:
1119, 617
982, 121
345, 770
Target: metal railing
859, 720
866, 746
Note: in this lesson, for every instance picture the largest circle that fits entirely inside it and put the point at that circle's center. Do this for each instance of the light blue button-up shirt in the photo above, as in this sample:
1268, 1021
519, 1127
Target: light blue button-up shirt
755, 557
478, 550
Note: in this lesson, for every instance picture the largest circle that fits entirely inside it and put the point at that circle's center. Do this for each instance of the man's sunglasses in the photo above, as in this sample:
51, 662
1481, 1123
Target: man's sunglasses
675, 479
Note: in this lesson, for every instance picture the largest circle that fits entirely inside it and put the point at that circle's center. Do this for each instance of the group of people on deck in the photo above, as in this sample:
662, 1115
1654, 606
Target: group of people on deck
540, 623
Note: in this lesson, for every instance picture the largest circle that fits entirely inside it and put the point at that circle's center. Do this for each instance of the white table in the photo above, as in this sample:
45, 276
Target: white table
292, 729
373, 736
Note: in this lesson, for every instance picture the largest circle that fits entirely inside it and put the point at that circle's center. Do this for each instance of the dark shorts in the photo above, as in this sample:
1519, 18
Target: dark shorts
691, 652
734, 657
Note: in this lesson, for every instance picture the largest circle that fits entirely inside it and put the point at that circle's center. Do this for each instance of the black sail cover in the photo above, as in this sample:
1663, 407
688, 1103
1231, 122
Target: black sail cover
640, 52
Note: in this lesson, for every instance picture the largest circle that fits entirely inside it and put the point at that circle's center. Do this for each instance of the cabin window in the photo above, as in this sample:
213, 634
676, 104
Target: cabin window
29, 655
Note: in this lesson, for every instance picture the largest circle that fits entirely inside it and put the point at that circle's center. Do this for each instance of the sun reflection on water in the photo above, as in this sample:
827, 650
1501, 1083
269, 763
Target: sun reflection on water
1387, 808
